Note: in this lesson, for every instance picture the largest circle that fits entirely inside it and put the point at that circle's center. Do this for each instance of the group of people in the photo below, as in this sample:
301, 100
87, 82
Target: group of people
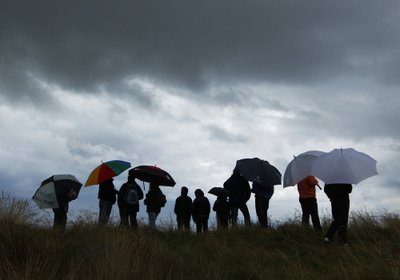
227, 205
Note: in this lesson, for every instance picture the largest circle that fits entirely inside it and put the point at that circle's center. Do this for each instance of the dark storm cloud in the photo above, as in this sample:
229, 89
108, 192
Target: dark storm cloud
87, 45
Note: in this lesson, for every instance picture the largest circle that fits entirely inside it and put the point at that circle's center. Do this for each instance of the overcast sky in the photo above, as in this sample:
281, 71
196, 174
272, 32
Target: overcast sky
193, 86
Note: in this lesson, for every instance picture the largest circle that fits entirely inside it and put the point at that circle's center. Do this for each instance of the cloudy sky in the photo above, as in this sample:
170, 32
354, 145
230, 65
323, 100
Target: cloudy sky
192, 86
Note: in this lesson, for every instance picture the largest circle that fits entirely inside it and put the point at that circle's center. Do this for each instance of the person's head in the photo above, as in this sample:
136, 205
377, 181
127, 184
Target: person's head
198, 193
184, 190
131, 179
222, 197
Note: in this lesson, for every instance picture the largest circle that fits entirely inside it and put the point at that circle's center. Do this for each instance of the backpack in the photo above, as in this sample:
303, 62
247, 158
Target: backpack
161, 200
131, 196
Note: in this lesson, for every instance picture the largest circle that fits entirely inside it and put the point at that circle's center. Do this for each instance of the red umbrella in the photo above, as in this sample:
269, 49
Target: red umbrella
152, 174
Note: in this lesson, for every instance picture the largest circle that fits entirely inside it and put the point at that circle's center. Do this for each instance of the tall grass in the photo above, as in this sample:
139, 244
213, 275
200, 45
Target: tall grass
288, 251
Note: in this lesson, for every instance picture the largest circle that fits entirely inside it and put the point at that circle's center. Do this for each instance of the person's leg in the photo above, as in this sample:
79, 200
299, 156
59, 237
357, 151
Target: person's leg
133, 219
334, 225
246, 214
179, 222
261, 211
60, 218
314, 214
305, 208
123, 217
186, 224
105, 211
152, 220
343, 217
234, 215
198, 226
205, 225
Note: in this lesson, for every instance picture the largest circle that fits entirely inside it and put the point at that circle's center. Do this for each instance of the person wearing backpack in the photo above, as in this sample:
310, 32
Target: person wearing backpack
128, 203
154, 201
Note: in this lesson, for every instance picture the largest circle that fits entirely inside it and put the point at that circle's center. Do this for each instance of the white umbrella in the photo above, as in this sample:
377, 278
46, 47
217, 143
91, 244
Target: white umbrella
344, 166
300, 167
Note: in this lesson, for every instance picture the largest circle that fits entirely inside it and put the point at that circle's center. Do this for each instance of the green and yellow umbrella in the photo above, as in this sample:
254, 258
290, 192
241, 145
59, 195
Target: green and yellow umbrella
106, 171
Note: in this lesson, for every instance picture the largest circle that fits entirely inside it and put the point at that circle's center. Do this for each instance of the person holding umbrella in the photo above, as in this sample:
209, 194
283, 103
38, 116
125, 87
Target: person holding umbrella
183, 210
154, 201
263, 195
338, 194
60, 213
308, 202
239, 193
107, 196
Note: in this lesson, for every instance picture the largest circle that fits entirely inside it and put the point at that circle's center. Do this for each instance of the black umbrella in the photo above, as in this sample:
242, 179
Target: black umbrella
152, 174
259, 171
56, 190
218, 191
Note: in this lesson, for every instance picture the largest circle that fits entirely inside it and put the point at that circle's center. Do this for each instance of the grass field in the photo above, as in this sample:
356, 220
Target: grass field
29, 250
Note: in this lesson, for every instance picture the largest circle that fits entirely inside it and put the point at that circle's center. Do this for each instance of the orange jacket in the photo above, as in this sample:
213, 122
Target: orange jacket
306, 187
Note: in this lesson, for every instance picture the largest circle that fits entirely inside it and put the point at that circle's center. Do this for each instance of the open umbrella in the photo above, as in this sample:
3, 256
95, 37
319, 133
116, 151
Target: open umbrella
300, 167
152, 174
56, 189
106, 171
344, 166
218, 191
258, 170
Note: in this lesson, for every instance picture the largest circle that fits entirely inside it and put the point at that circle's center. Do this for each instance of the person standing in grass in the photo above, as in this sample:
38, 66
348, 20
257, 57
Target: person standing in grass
107, 196
183, 210
308, 202
263, 195
340, 206
60, 213
221, 208
239, 194
154, 201
201, 211
128, 203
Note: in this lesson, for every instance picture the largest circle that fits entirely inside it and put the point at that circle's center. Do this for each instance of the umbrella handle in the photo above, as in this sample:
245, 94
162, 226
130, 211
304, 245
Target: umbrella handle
319, 187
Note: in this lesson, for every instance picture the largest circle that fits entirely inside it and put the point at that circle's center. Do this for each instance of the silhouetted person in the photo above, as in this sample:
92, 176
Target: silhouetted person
263, 195
183, 209
308, 202
128, 202
107, 195
239, 194
154, 201
340, 204
201, 211
221, 208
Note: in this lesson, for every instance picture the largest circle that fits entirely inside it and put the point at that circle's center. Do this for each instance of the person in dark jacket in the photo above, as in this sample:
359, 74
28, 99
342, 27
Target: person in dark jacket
60, 213
263, 195
221, 208
154, 200
201, 211
183, 209
107, 196
340, 205
239, 194
129, 204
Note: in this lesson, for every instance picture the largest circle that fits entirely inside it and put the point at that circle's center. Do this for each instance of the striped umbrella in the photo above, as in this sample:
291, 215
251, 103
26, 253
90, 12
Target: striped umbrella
56, 190
106, 171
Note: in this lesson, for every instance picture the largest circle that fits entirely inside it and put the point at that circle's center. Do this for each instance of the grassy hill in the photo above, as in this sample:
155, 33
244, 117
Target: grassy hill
84, 251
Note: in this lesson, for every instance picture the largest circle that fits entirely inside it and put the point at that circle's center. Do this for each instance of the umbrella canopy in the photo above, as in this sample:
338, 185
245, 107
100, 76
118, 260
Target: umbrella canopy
299, 168
106, 171
57, 189
260, 171
218, 191
152, 174
344, 166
